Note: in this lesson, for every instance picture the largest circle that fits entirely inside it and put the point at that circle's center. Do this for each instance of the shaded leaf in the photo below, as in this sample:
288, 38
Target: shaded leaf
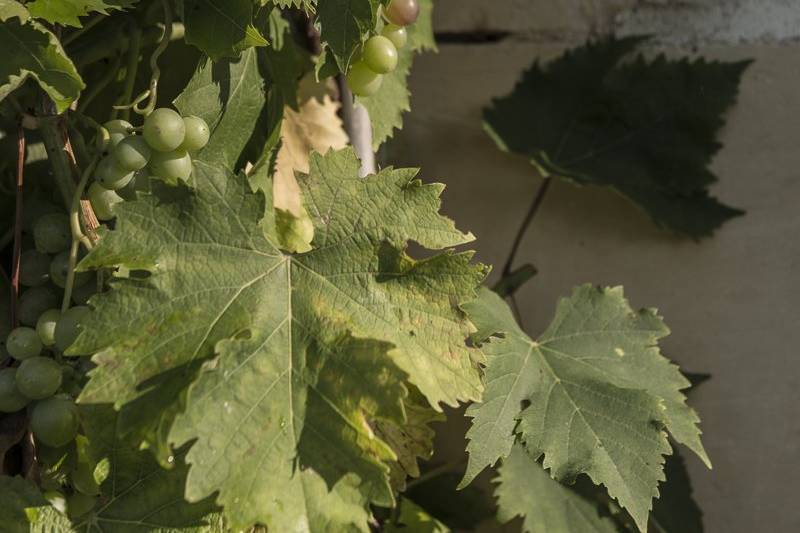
231, 97
221, 28
646, 128
591, 395
33, 51
343, 24
525, 489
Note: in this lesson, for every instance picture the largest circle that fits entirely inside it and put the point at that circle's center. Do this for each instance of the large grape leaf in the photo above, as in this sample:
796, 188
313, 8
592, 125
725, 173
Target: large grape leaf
298, 352
524, 489
33, 51
67, 12
591, 394
386, 107
646, 128
221, 28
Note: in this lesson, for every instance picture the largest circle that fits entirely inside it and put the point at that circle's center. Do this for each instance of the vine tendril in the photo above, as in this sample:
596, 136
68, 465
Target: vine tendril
151, 93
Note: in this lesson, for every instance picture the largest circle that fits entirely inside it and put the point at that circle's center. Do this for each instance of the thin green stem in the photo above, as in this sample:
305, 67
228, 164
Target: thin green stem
532, 210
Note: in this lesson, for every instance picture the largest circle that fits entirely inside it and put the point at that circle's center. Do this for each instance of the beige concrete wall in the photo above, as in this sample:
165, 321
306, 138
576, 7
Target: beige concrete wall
732, 301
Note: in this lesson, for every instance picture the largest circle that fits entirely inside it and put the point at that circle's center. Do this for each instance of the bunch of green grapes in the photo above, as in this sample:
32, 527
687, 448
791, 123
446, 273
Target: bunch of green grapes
39, 379
161, 150
379, 54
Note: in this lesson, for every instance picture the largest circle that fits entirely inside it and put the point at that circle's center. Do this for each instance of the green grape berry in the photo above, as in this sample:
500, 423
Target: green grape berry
397, 34
110, 175
35, 208
362, 80
11, 399
171, 166
197, 134
55, 421
83, 479
23, 343
164, 129
117, 130
39, 377
35, 301
380, 54
67, 328
46, 326
402, 12
103, 201
52, 233
132, 153
59, 269
34, 268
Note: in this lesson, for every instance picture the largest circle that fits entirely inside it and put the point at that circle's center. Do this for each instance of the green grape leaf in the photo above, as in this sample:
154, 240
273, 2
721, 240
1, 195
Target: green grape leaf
525, 489
343, 24
276, 364
22, 502
67, 12
413, 518
230, 96
410, 441
646, 128
386, 107
595, 370
221, 28
33, 51
420, 34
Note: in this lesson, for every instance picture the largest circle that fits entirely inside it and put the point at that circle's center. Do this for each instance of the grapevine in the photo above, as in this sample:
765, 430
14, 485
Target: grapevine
213, 319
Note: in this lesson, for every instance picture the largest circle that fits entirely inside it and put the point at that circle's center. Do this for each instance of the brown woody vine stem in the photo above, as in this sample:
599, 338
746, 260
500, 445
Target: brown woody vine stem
17, 228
